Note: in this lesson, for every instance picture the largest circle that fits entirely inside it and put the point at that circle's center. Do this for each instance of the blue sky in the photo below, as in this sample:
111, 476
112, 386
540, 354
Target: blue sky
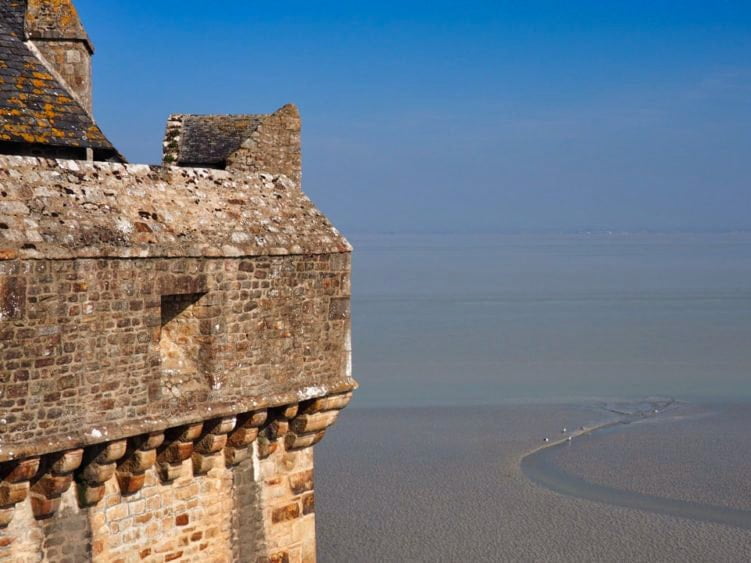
459, 116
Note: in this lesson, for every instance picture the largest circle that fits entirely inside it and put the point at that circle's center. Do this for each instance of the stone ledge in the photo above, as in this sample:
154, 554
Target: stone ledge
171, 418
211, 442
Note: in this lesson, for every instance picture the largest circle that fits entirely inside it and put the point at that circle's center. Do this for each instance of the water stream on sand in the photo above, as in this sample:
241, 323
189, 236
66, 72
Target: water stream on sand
541, 468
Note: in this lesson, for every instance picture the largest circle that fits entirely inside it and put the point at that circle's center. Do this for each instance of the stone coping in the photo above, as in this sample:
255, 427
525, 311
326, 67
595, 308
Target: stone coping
66, 209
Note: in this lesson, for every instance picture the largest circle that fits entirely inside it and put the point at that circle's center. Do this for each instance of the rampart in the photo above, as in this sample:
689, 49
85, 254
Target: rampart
173, 342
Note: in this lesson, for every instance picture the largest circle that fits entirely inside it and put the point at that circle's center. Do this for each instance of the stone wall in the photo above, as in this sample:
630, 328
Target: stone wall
242, 492
71, 61
173, 344
81, 342
67, 209
274, 146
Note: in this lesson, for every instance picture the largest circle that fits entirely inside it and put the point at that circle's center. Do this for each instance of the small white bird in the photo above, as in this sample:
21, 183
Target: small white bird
564, 430
546, 439
569, 438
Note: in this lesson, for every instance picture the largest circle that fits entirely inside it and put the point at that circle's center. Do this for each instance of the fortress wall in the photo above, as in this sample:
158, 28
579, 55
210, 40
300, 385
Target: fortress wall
84, 343
58, 209
260, 510
173, 344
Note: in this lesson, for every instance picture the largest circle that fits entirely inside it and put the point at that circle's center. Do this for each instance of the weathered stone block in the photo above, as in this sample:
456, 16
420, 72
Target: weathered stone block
300, 441
285, 513
151, 441
301, 482
306, 423
202, 464
177, 452
332, 402
13, 493
90, 495
112, 452
12, 298
138, 461
53, 485
266, 447
242, 437
169, 472
43, 506
235, 456
67, 462
308, 504
18, 471
95, 474
131, 483
211, 444
191, 432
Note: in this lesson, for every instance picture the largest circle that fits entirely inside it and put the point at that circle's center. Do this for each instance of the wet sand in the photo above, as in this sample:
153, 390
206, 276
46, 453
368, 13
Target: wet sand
545, 468
445, 484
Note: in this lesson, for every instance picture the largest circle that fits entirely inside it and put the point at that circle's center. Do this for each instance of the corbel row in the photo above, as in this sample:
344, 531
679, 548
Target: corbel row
223, 441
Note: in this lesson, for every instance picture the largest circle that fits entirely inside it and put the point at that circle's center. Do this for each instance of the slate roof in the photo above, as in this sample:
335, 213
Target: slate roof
35, 107
13, 12
211, 139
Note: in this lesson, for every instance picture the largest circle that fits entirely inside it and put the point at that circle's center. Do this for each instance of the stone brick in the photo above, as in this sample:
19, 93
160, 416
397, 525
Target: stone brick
285, 513
301, 482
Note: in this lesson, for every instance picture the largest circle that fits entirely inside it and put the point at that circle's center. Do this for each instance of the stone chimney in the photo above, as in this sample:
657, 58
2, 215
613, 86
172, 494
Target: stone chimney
55, 30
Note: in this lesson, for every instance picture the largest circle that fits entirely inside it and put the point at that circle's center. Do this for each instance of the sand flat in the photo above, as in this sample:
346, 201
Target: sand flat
444, 484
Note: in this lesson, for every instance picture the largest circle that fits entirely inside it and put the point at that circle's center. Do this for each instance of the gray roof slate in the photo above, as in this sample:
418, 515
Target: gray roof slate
35, 107
211, 139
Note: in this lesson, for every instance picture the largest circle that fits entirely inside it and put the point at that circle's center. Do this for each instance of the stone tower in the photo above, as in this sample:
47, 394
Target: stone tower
174, 340
54, 28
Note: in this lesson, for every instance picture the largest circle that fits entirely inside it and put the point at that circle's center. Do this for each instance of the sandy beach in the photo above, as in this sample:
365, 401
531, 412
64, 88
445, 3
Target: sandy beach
445, 484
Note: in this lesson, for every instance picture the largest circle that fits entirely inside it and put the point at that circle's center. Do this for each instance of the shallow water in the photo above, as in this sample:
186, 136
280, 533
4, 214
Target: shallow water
495, 319
481, 339
544, 468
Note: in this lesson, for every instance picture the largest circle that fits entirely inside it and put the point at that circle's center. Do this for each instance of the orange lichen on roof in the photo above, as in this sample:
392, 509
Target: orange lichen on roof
34, 106
57, 18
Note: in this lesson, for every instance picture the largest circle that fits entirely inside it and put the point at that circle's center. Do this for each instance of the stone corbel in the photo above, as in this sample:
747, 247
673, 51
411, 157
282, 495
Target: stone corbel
55, 478
98, 467
207, 451
314, 418
275, 429
177, 448
244, 434
14, 486
140, 455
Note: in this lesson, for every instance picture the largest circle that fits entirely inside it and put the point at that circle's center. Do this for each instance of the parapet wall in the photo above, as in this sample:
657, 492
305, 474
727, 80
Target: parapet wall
173, 343
70, 209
